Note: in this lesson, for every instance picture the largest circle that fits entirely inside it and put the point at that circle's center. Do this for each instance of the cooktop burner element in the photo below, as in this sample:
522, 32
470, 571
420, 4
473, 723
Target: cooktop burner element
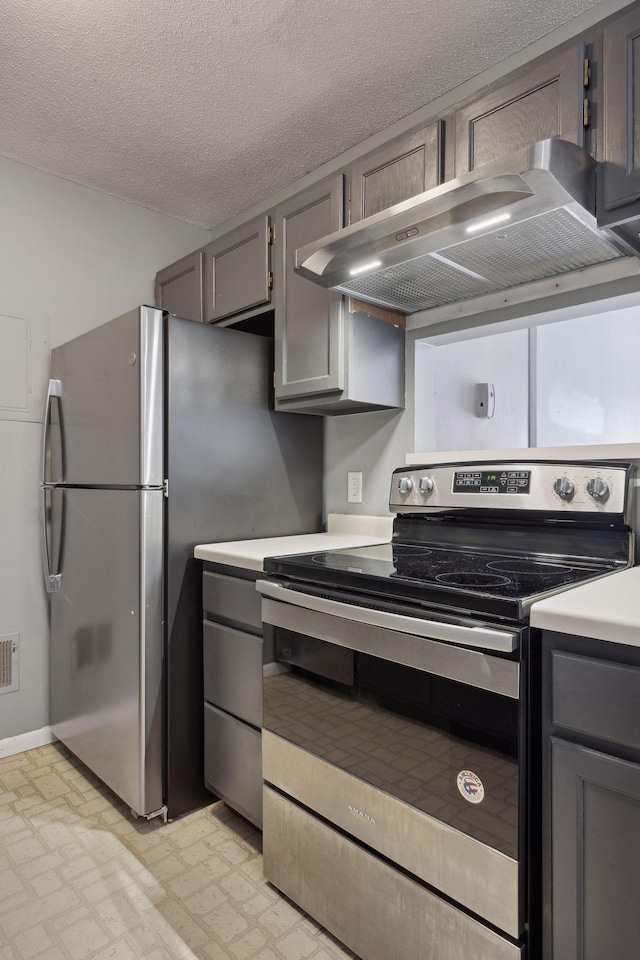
472, 579
542, 567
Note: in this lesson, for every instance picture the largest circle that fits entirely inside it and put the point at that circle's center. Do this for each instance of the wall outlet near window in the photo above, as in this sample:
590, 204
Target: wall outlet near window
354, 487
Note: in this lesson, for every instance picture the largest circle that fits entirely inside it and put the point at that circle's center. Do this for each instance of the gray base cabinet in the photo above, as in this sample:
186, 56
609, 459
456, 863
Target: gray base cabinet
591, 820
233, 655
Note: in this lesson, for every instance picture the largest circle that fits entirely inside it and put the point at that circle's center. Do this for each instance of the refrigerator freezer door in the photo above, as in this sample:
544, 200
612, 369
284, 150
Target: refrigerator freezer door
107, 422
106, 637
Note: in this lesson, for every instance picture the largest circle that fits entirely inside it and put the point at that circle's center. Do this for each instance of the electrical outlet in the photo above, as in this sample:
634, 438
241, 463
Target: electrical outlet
354, 488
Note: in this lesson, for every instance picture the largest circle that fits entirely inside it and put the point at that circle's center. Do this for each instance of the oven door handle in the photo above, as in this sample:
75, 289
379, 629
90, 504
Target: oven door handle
465, 634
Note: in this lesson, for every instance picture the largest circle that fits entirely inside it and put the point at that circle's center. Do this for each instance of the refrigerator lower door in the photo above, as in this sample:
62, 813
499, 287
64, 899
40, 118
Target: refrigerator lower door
106, 637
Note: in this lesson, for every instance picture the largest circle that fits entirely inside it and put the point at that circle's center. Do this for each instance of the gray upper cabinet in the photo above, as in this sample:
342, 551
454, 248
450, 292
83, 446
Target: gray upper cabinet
620, 197
327, 359
542, 100
179, 287
309, 319
237, 271
395, 172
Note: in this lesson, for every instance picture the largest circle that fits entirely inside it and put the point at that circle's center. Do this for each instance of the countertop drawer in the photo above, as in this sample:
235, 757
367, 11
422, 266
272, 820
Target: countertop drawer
596, 697
233, 671
232, 601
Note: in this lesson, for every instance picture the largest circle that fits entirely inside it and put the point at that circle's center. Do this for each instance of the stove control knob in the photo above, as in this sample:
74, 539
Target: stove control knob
598, 489
405, 485
425, 485
564, 488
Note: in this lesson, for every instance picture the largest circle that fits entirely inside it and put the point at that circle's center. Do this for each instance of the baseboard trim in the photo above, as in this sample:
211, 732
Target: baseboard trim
26, 741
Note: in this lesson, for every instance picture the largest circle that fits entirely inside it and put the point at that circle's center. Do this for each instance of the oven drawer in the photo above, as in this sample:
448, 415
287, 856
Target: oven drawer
446, 858
378, 912
233, 762
232, 600
596, 698
233, 671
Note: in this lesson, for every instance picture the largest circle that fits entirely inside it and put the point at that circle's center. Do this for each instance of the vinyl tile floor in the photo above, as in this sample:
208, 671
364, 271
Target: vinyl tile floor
81, 879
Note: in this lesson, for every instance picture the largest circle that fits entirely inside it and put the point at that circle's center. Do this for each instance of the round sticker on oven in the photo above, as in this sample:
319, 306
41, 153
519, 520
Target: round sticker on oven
470, 786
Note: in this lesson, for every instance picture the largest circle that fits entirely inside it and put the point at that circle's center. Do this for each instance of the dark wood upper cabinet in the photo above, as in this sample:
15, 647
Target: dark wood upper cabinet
237, 271
541, 100
395, 172
179, 287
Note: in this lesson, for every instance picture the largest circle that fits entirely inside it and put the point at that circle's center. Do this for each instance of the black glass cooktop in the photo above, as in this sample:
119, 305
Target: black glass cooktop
490, 582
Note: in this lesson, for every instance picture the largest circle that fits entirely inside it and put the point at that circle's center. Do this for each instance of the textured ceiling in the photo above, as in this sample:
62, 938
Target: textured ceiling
201, 108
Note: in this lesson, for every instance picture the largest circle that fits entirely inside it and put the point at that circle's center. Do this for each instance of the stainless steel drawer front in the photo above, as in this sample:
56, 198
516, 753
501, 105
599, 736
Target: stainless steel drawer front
456, 663
475, 875
233, 671
376, 911
469, 634
233, 601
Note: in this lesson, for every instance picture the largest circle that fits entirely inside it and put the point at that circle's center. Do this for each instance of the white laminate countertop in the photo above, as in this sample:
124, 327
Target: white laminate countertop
343, 530
605, 609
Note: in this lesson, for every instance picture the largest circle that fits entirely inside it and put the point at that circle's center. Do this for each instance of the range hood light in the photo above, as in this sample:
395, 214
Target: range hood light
371, 265
489, 222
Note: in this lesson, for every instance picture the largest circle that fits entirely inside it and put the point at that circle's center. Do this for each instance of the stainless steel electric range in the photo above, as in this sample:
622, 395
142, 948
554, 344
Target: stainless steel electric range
400, 738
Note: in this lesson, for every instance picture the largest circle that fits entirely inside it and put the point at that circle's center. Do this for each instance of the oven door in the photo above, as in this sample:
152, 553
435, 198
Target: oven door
387, 727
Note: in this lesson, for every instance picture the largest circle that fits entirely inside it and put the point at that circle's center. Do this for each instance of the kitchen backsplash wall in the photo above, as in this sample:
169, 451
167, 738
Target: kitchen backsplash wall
70, 259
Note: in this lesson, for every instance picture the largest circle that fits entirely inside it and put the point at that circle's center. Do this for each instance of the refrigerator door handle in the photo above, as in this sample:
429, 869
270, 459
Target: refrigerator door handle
52, 581
53, 390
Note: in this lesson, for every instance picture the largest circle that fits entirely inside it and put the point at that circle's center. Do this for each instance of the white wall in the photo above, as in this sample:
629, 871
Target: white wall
79, 258
501, 359
587, 384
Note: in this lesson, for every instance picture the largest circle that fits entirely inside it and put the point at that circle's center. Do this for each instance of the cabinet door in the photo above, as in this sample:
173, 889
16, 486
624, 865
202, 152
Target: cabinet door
398, 170
542, 100
595, 854
237, 270
621, 114
309, 320
179, 287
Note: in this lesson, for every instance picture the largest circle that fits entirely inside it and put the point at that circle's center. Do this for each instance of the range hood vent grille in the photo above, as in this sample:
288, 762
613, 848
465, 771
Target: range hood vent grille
522, 219
545, 246
419, 284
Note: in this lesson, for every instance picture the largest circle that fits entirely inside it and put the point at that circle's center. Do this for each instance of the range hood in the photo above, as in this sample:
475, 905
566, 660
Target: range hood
527, 217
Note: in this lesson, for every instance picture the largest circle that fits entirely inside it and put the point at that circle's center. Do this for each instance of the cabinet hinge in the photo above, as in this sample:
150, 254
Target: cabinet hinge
270, 280
271, 238
348, 191
586, 112
274, 379
586, 72
348, 218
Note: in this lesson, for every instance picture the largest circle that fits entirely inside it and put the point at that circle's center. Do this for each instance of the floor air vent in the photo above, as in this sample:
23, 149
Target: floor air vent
9, 680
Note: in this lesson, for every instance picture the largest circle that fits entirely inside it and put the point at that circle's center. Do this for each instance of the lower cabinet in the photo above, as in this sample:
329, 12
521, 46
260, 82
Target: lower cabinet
591, 822
233, 653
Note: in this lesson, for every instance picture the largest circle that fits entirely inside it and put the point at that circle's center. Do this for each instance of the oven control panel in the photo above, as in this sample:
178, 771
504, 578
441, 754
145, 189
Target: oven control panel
594, 487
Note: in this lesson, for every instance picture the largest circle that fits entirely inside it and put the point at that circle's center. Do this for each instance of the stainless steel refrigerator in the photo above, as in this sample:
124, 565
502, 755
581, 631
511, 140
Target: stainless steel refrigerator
159, 434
